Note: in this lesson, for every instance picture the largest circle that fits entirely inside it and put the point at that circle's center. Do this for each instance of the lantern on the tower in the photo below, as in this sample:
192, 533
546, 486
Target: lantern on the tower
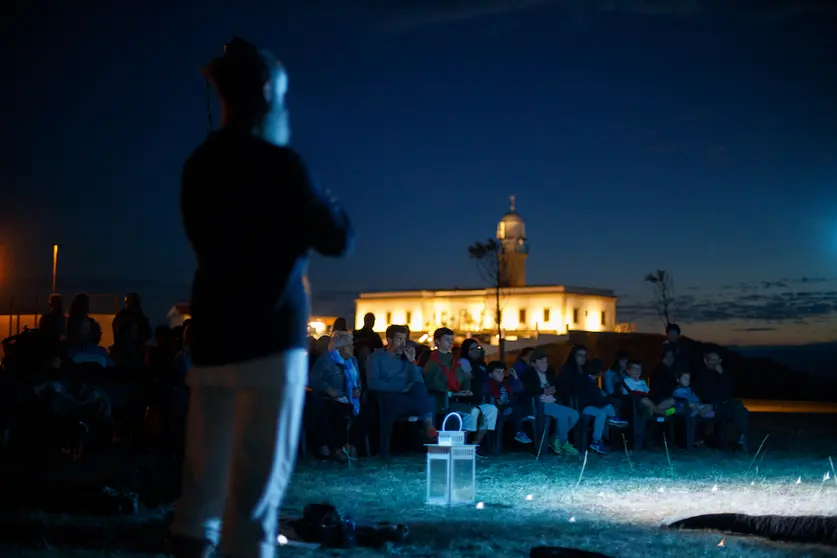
451, 468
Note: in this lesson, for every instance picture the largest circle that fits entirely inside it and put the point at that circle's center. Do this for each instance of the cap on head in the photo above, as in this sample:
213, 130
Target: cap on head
241, 73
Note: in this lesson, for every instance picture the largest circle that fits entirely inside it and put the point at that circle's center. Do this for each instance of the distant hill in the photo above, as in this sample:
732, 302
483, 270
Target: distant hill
819, 359
757, 376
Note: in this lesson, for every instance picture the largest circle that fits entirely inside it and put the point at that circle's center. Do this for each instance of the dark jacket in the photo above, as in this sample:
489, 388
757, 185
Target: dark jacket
568, 379
532, 382
479, 378
714, 388
252, 214
682, 362
663, 382
588, 393
131, 329
366, 337
53, 325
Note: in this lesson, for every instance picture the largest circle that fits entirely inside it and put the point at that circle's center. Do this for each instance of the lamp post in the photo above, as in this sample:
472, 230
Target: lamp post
54, 267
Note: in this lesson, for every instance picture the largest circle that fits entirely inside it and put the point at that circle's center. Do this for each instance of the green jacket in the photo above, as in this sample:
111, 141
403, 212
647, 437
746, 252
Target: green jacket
437, 384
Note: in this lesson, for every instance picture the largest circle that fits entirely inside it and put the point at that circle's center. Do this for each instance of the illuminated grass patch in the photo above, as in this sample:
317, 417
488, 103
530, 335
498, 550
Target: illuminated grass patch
614, 510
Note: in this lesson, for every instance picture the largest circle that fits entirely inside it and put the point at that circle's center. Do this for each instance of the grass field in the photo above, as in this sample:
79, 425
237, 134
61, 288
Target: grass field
617, 508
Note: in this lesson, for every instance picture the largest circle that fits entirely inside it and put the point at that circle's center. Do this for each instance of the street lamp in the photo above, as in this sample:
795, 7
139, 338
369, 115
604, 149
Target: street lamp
54, 266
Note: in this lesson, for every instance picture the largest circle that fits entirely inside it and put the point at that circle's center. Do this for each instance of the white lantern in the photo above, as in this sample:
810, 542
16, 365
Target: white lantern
451, 468
451, 437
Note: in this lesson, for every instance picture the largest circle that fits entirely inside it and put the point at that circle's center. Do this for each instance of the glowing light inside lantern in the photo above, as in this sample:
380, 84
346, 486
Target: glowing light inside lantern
480, 505
529, 497
282, 539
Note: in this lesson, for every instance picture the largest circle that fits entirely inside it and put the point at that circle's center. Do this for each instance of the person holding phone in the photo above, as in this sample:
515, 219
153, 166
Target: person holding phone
444, 374
540, 381
393, 373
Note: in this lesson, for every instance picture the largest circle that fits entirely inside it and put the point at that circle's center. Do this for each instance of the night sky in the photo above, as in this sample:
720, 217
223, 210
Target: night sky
635, 136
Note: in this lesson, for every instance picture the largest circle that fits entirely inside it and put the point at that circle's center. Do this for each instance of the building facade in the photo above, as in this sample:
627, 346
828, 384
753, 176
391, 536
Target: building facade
526, 311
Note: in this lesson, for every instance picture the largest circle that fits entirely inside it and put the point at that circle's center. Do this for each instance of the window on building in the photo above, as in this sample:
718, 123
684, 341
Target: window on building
575, 315
410, 318
604, 317
521, 316
546, 314
389, 319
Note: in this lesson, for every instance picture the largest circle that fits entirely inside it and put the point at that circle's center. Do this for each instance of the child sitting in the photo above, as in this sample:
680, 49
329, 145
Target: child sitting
594, 403
506, 393
637, 388
685, 398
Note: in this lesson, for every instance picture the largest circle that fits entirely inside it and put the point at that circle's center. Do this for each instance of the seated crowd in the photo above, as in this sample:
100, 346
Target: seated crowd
64, 395
61, 387
356, 381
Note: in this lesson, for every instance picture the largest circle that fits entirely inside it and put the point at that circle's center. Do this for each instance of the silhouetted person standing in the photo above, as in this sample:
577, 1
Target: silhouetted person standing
367, 336
131, 330
53, 325
252, 214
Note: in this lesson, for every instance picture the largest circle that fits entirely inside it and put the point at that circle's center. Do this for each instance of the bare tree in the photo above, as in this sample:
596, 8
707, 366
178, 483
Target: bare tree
492, 268
663, 285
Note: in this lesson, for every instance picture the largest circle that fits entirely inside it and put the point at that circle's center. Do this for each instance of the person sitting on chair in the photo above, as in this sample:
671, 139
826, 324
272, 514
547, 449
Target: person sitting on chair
508, 394
395, 376
444, 375
336, 378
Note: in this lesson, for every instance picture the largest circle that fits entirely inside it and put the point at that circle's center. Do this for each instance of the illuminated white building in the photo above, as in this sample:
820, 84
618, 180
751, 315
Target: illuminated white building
527, 311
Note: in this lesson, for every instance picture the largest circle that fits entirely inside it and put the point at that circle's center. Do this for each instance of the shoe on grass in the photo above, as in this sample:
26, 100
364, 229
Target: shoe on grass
522, 438
569, 449
599, 448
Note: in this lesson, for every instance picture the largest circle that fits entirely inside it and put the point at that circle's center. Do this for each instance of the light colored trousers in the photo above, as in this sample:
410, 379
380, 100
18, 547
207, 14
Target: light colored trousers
600, 416
471, 420
241, 442
565, 419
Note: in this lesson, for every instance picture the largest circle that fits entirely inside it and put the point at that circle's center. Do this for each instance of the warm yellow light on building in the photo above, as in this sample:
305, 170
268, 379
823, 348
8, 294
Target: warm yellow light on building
317, 328
526, 311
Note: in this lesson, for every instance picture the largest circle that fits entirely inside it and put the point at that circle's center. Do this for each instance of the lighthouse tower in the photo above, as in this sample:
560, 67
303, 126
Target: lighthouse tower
511, 232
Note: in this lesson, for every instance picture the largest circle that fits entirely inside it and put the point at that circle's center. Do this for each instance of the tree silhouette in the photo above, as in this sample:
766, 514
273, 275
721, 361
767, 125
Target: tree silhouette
663, 284
492, 268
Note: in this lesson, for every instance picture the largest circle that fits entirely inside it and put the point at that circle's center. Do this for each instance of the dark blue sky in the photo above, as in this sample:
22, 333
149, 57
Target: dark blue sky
635, 135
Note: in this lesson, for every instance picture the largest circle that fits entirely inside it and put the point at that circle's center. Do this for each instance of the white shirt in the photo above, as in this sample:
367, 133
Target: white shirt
635, 385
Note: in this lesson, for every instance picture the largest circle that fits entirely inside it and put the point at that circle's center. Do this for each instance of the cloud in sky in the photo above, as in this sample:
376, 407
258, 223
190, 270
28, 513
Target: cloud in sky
404, 16
450, 12
797, 300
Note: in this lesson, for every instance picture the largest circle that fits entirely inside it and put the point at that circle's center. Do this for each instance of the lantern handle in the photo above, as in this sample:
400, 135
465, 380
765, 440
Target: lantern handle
444, 422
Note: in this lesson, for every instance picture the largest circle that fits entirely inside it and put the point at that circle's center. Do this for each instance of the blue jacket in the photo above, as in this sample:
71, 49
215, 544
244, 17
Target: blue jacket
390, 374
